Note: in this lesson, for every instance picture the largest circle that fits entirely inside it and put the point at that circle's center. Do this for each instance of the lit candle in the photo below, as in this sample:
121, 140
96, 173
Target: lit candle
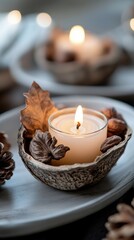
14, 17
44, 20
77, 35
13, 21
9, 28
87, 45
43, 27
82, 134
132, 24
10, 23
70, 41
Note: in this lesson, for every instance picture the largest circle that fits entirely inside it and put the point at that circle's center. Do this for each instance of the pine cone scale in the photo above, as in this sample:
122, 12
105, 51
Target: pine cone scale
120, 226
7, 164
1, 173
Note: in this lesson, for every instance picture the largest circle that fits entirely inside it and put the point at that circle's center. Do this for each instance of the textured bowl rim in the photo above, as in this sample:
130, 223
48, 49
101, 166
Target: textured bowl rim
71, 166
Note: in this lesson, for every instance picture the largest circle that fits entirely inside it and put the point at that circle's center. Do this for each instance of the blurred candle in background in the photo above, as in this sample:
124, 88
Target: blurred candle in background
132, 24
14, 17
68, 42
9, 27
43, 26
77, 35
85, 44
43, 19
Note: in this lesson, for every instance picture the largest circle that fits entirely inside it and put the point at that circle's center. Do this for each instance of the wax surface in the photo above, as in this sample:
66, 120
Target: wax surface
65, 123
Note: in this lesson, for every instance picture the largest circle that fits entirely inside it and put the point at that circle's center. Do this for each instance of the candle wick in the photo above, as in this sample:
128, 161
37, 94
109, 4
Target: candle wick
78, 125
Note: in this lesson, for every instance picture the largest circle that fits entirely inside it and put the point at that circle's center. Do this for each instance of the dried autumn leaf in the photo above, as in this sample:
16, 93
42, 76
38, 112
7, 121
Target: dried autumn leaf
43, 147
38, 108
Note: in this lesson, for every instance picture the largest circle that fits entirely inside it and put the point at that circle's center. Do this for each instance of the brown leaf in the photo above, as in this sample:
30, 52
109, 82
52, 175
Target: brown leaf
38, 108
43, 147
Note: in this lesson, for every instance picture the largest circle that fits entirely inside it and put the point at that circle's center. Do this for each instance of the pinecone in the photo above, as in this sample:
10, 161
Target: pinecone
120, 226
4, 140
7, 164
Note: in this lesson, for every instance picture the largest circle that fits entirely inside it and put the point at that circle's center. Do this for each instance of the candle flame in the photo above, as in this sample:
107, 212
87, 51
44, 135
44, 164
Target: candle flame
78, 117
77, 35
14, 17
44, 20
132, 24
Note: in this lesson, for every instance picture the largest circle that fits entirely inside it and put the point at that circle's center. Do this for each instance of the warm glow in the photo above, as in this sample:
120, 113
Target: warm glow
132, 24
77, 34
78, 116
14, 17
44, 20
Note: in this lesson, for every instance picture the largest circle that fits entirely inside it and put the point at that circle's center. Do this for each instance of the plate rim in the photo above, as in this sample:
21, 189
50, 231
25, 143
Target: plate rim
80, 211
46, 80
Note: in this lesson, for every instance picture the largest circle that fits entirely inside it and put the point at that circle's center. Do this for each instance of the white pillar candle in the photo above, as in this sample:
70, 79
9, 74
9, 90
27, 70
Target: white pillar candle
83, 139
86, 45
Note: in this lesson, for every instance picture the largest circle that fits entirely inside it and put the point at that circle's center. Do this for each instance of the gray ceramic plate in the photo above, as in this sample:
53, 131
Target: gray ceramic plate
25, 70
28, 206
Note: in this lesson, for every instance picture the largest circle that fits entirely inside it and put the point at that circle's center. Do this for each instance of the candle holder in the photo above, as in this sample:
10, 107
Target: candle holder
74, 176
78, 63
84, 141
39, 146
